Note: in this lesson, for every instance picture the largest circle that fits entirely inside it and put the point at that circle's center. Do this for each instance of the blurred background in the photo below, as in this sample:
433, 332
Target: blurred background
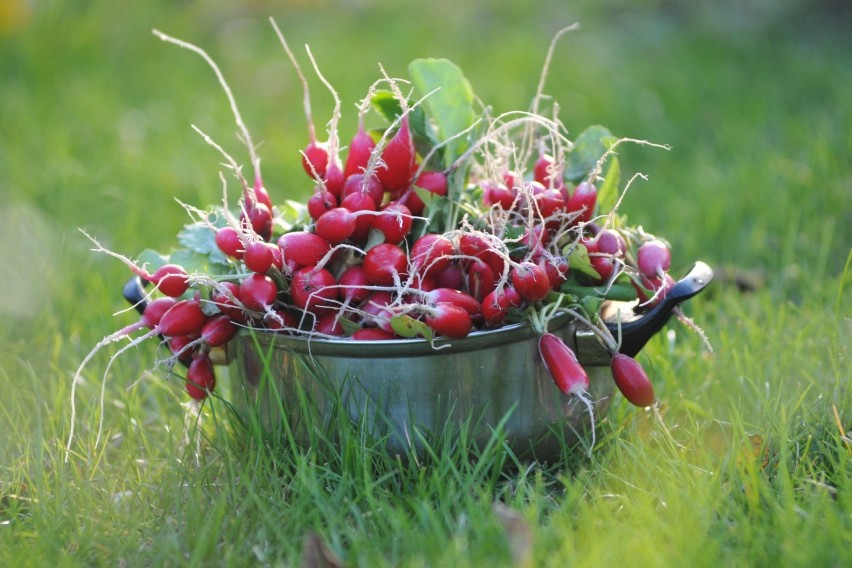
753, 96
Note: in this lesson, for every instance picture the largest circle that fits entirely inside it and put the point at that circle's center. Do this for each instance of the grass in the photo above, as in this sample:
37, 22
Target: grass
749, 461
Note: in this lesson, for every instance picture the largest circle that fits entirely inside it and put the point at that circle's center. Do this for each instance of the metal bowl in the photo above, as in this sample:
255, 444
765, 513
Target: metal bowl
408, 393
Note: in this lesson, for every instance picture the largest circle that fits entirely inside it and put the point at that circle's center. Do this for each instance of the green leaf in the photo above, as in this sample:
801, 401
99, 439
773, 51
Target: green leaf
386, 103
192, 261
450, 107
608, 192
406, 326
578, 261
292, 214
619, 291
349, 326
201, 239
151, 260
589, 146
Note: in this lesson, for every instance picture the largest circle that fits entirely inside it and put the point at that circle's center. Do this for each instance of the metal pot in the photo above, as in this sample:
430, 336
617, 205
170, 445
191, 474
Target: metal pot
407, 393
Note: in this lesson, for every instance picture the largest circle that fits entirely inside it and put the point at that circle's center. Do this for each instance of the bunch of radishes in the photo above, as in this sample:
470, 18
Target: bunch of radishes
440, 221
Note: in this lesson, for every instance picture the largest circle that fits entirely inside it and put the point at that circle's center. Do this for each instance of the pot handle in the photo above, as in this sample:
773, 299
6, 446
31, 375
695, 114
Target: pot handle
636, 333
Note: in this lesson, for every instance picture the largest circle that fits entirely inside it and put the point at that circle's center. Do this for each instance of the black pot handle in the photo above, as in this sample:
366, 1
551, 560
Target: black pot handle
636, 333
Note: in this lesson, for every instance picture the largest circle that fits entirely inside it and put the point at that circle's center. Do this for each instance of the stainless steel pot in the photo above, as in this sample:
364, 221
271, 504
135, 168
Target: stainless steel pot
407, 393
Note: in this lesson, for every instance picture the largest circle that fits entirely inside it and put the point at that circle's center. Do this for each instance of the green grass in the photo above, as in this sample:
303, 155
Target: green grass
745, 463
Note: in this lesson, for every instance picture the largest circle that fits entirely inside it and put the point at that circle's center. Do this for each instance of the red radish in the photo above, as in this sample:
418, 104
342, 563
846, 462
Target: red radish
480, 279
375, 309
556, 268
218, 331
303, 248
583, 202
258, 292
451, 276
449, 320
398, 155
281, 319
200, 378
608, 241
512, 180
154, 311
499, 194
259, 194
631, 380
431, 252
333, 179
394, 222
311, 288
497, 305
358, 202
373, 334
471, 244
433, 182
455, 297
356, 183
651, 291
567, 372
259, 217
258, 257
531, 281
384, 264
229, 242
329, 324
563, 365
227, 303
547, 172
183, 318
336, 225
315, 159
320, 202
170, 279
653, 258
183, 346
549, 203
360, 150
353, 284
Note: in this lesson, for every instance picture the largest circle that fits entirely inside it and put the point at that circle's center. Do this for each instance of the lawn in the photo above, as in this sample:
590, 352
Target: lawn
748, 458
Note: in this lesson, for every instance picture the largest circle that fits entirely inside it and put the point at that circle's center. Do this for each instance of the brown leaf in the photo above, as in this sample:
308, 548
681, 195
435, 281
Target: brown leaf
315, 553
518, 533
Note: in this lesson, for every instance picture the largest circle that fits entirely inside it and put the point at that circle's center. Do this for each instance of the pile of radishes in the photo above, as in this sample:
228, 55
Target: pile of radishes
438, 220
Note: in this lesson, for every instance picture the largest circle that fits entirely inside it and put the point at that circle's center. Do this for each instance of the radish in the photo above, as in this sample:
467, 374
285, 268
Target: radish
336, 225
359, 183
653, 258
431, 252
320, 202
531, 281
449, 320
226, 297
385, 264
200, 378
329, 324
218, 331
433, 182
360, 150
183, 318
394, 222
259, 217
303, 248
333, 179
583, 201
567, 372
455, 297
397, 159
631, 380
311, 287
480, 279
547, 172
315, 158
556, 268
258, 292
358, 202
353, 284
229, 242
183, 347
497, 305
373, 334
451, 276
499, 194
258, 257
